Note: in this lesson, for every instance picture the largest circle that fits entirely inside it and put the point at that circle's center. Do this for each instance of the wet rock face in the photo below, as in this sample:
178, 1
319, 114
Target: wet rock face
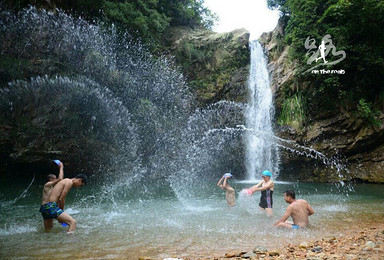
216, 64
339, 134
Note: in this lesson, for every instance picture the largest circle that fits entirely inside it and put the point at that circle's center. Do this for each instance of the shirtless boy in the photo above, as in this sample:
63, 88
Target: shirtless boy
229, 191
52, 180
299, 210
54, 206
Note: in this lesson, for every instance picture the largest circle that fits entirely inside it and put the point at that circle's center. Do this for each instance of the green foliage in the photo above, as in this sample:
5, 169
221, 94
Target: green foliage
146, 19
354, 27
380, 100
190, 13
192, 53
140, 18
293, 112
347, 99
367, 113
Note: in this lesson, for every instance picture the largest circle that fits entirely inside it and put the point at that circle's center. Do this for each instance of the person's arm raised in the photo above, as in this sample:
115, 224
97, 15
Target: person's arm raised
219, 184
61, 171
61, 176
225, 183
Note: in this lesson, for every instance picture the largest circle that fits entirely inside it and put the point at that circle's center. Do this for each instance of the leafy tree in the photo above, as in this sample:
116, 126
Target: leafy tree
190, 13
146, 19
140, 17
354, 27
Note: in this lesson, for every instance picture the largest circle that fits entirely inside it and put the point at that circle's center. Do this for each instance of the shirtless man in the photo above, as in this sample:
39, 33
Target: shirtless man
54, 208
229, 191
52, 180
266, 186
299, 210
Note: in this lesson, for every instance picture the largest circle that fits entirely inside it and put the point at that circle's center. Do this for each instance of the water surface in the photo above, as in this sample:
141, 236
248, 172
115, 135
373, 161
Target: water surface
164, 225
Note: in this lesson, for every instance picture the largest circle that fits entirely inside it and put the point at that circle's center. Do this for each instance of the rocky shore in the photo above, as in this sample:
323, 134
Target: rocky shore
367, 243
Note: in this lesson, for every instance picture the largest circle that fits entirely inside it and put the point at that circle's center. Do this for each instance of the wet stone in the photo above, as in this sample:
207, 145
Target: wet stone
304, 245
317, 249
250, 254
274, 253
260, 250
330, 239
241, 253
228, 255
369, 245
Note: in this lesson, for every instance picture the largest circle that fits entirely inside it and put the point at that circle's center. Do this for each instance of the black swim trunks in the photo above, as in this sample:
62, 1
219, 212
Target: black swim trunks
50, 210
266, 199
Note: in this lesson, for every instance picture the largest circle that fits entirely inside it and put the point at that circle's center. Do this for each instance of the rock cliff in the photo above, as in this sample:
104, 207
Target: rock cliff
339, 134
216, 64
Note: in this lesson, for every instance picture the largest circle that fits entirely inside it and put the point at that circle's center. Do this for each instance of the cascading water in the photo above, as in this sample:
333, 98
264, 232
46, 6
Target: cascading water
260, 154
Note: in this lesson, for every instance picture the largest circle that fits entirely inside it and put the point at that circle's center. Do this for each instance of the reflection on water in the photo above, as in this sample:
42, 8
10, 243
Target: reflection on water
163, 226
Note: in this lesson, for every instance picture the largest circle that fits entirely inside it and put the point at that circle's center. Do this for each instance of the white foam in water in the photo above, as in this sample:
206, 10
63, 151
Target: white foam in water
199, 209
17, 229
336, 208
111, 216
71, 211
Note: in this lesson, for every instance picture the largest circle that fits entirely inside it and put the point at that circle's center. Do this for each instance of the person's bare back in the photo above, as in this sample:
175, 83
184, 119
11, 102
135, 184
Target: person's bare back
60, 191
52, 181
299, 214
298, 210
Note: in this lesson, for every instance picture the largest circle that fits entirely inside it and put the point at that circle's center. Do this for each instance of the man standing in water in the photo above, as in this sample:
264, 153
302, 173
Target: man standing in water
54, 208
229, 191
266, 186
299, 210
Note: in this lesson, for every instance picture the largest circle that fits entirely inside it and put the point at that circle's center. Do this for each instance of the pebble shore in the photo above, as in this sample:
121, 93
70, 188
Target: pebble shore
365, 243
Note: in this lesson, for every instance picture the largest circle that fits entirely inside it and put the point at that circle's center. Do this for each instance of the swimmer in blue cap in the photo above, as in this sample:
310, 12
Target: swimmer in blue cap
229, 191
266, 186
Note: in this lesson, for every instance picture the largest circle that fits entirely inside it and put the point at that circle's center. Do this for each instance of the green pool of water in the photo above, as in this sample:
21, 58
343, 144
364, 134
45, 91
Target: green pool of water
164, 224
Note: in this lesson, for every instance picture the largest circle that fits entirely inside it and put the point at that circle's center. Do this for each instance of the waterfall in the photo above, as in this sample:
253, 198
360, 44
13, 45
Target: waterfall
260, 154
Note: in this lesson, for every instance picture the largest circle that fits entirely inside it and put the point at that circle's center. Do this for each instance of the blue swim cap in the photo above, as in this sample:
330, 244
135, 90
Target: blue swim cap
228, 175
267, 173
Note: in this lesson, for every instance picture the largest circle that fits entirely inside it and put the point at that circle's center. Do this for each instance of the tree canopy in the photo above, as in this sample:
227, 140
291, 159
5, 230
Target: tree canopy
147, 19
355, 27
